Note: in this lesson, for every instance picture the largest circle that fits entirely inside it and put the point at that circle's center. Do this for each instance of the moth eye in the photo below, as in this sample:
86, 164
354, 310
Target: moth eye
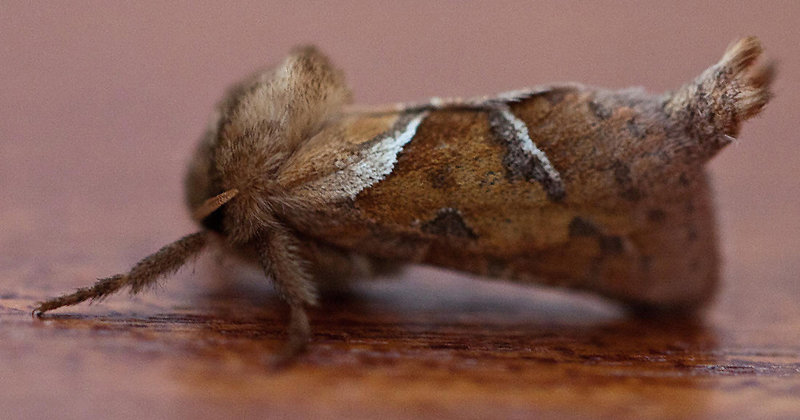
214, 221
210, 213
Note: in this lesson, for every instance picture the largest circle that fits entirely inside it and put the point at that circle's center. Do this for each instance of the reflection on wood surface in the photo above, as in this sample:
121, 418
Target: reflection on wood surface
427, 345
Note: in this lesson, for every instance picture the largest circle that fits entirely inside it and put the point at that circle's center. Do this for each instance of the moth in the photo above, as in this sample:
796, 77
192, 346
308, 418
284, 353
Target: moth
564, 185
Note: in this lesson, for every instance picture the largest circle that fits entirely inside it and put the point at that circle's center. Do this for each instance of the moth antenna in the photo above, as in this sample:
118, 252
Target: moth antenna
212, 204
150, 269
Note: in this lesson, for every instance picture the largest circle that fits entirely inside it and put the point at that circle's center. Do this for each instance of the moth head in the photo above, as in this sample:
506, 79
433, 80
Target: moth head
257, 126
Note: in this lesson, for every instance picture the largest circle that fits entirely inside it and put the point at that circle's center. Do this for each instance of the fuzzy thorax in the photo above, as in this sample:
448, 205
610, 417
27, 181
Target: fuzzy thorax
257, 126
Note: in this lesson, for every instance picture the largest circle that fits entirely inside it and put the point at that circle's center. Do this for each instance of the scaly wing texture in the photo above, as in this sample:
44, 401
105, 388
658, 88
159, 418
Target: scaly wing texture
569, 185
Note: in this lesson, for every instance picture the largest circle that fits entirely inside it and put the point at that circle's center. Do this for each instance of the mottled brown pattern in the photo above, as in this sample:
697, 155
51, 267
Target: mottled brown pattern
600, 110
619, 155
538, 239
520, 162
582, 227
448, 222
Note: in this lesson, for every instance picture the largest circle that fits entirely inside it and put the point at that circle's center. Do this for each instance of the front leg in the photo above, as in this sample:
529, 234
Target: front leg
144, 274
278, 254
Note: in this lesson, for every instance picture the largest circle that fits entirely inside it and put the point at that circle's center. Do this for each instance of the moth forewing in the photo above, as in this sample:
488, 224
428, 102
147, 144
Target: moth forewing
454, 198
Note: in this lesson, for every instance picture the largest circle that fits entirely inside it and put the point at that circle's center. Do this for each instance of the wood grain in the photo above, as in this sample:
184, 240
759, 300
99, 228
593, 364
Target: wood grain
428, 344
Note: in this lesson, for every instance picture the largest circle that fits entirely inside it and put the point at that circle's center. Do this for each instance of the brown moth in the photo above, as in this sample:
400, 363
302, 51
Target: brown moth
565, 185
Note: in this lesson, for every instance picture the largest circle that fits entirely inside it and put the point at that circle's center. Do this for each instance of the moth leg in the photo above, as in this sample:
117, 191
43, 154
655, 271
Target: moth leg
146, 272
335, 270
278, 254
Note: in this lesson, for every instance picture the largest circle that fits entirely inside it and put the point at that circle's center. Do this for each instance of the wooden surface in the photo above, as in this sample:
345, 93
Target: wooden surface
100, 109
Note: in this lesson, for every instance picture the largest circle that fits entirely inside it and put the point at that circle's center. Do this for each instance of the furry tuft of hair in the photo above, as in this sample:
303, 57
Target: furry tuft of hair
735, 89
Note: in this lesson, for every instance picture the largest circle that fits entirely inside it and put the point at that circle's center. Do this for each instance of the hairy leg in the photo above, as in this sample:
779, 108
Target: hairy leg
278, 254
146, 272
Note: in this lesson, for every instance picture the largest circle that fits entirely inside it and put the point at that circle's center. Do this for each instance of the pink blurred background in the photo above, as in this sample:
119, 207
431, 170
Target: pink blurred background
102, 103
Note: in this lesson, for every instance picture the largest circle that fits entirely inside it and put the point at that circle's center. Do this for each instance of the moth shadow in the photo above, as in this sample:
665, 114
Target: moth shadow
423, 316
426, 314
